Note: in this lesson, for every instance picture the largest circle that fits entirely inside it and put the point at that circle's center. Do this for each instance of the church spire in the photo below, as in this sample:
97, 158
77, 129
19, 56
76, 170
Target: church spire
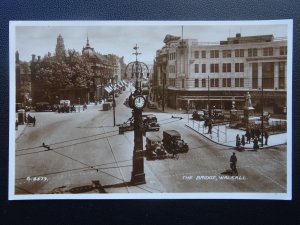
60, 51
87, 41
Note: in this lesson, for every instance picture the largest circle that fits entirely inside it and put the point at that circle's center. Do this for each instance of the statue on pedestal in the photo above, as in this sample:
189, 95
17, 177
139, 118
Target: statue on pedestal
248, 103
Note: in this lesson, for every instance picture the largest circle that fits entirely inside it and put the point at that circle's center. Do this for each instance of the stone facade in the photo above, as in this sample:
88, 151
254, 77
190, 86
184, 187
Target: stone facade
226, 71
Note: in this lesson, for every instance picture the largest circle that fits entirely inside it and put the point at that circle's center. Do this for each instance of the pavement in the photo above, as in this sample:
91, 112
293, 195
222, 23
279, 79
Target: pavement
224, 135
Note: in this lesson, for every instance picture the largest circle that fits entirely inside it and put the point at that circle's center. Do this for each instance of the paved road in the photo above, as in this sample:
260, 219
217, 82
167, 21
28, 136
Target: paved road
85, 147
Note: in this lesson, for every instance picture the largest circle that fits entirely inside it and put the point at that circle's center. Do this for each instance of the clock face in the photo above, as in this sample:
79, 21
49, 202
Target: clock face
139, 102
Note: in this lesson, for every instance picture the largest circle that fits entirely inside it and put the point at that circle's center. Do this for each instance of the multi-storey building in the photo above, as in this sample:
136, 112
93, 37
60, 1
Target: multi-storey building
23, 82
197, 74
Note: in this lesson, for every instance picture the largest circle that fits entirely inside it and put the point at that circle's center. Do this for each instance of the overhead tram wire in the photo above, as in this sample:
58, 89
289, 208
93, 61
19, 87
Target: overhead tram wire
78, 169
25, 149
60, 147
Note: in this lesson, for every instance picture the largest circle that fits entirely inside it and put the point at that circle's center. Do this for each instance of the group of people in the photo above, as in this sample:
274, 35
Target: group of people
253, 134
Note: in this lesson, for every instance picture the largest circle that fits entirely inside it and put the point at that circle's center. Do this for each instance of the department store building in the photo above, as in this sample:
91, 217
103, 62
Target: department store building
195, 75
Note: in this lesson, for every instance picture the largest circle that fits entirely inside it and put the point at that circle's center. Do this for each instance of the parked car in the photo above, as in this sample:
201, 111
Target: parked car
152, 105
218, 114
154, 148
107, 106
172, 142
150, 123
21, 106
43, 107
65, 106
109, 99
198, 115
266, 116
126, 126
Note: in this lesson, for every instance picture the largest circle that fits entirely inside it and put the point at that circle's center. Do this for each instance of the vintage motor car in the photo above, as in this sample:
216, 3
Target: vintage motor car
218, 114
43, 107
126, 126
266, 116
150, 123
172, 142
198, 115
154, 148
21, 106
151, 105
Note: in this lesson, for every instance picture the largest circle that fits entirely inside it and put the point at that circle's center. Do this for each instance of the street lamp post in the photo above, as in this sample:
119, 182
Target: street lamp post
114, 106
137, 102
262, 112
78, 104
208, 96
163, 95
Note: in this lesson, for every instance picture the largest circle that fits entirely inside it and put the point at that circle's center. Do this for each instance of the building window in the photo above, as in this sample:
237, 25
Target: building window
281, 75
196, 83
214, 68
226, 67
239, 67
283, 50
255, 75
182, 83
172, 82
196, 68
226, 82
214, 82
268, 51
268, 75
203, 54
252, 52
214, 54
196, 54
203, 68
239, 53
203, 82
239, 82
226, 53
172, 56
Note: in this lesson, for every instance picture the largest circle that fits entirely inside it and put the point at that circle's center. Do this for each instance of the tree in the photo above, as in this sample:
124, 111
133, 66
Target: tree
74, 72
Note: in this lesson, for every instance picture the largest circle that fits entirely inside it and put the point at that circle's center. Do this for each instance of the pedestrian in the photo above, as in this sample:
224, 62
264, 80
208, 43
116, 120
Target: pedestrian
255, 143
233, 161
248, 136
243, 140
266, 137
210, 126
252, 133
33, 121
237, 141
258, 133
17, 124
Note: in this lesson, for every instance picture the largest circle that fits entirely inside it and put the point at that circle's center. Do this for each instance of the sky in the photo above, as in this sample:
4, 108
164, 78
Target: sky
119, 37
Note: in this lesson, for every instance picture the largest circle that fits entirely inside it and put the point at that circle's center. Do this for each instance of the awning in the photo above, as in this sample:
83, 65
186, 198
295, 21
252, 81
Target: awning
108, 90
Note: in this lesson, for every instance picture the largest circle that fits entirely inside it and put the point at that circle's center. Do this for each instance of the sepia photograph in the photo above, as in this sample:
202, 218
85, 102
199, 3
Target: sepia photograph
150, 109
